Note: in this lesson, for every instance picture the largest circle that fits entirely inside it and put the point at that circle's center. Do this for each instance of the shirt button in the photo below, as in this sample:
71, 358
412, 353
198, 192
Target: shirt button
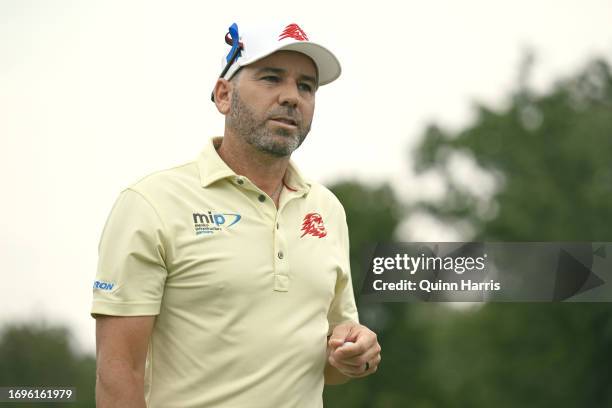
262, 198
280, 255
277, 226
240, 181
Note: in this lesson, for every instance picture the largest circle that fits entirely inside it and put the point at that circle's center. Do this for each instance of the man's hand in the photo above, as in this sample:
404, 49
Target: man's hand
353, 350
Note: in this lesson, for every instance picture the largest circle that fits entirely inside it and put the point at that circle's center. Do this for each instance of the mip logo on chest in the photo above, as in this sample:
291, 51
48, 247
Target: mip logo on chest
209, 222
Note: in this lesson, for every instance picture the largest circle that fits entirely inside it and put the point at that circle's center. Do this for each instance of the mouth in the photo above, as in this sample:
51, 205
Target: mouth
285, 121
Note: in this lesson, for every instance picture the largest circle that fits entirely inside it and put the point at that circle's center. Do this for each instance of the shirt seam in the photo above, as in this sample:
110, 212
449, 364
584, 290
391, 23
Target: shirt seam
124, 303
163, 224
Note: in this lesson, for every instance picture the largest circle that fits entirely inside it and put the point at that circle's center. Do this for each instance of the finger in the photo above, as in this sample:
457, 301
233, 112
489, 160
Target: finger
349, 349
366, 342
340, 334
352, 358
335, 343
351, 371
365, 337
354, 372
365, 347
369, 367
355, 364
348, 365
372, 365
358, 362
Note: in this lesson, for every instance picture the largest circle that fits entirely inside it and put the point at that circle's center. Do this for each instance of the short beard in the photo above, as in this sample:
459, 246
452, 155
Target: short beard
242, 119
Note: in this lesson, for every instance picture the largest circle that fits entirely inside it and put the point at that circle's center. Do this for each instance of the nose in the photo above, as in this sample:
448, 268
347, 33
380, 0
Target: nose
289, 95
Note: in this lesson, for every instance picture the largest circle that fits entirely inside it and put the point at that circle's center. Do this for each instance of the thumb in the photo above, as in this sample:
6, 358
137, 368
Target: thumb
335, 343
339, 335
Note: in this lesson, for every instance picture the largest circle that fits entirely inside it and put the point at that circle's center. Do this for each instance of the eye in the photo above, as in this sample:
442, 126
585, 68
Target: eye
271, 78
305, 87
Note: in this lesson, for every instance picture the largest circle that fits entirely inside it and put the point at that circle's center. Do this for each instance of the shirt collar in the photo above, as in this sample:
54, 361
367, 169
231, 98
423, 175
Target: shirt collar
212, 168
294, 180
210, 165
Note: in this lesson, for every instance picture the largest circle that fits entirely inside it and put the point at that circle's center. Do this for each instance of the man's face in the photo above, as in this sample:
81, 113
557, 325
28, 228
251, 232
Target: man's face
273, 102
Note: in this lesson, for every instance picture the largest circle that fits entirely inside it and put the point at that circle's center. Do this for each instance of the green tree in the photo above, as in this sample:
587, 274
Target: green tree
35, 354
551, 158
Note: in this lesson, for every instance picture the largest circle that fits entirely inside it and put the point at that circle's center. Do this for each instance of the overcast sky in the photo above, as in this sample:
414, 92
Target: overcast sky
96, 94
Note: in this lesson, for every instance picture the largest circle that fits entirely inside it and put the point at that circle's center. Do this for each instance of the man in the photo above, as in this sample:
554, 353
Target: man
225, 282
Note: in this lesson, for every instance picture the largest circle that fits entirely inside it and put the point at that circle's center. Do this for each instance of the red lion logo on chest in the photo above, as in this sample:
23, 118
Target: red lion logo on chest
313, 225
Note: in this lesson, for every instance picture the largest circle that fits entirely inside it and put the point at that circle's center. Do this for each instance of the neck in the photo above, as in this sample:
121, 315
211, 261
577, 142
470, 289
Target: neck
264, 170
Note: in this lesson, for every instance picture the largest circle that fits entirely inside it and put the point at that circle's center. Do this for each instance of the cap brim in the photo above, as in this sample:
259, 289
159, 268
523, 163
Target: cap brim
328, 66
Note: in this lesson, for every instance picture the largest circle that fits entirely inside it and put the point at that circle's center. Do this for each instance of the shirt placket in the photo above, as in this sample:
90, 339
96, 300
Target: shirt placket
282, 269
280, 257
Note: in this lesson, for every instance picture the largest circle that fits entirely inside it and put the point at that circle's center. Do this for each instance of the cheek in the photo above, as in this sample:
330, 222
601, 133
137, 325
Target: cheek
257, 103
308, 112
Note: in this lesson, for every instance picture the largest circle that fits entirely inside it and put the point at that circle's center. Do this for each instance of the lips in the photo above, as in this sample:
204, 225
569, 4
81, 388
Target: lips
285, 119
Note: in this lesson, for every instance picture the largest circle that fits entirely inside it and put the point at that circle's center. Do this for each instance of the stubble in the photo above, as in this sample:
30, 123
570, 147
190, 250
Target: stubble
277, 142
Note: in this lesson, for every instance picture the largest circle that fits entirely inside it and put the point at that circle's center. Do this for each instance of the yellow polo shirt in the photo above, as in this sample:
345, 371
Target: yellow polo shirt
244, 293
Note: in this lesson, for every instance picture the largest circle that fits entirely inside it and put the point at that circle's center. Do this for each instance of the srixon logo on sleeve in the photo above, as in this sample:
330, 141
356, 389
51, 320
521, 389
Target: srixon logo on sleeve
101, 285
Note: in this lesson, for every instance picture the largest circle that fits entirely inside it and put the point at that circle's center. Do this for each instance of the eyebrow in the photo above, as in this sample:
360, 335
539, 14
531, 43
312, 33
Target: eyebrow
281, 71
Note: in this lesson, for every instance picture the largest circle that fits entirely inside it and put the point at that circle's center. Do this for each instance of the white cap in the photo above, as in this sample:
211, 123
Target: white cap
258, 42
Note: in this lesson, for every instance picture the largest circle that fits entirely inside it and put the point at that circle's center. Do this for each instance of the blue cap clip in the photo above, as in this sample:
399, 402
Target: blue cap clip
236, 46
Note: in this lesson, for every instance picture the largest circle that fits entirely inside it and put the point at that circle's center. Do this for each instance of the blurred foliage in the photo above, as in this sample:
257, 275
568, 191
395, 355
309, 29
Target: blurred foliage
372, 214
550, 156
35, 354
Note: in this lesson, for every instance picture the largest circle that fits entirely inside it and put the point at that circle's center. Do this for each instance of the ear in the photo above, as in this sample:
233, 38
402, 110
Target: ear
223, 95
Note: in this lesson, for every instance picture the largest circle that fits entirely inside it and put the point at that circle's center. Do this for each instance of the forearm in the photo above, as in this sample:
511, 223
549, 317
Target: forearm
333, 376
119, 386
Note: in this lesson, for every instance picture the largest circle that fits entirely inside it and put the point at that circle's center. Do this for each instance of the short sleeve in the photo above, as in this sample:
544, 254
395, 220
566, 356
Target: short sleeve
343, 308
131, 269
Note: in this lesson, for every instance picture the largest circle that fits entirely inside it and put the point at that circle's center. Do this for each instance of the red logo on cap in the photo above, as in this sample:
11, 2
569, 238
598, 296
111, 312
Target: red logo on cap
293, 31
313, 225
